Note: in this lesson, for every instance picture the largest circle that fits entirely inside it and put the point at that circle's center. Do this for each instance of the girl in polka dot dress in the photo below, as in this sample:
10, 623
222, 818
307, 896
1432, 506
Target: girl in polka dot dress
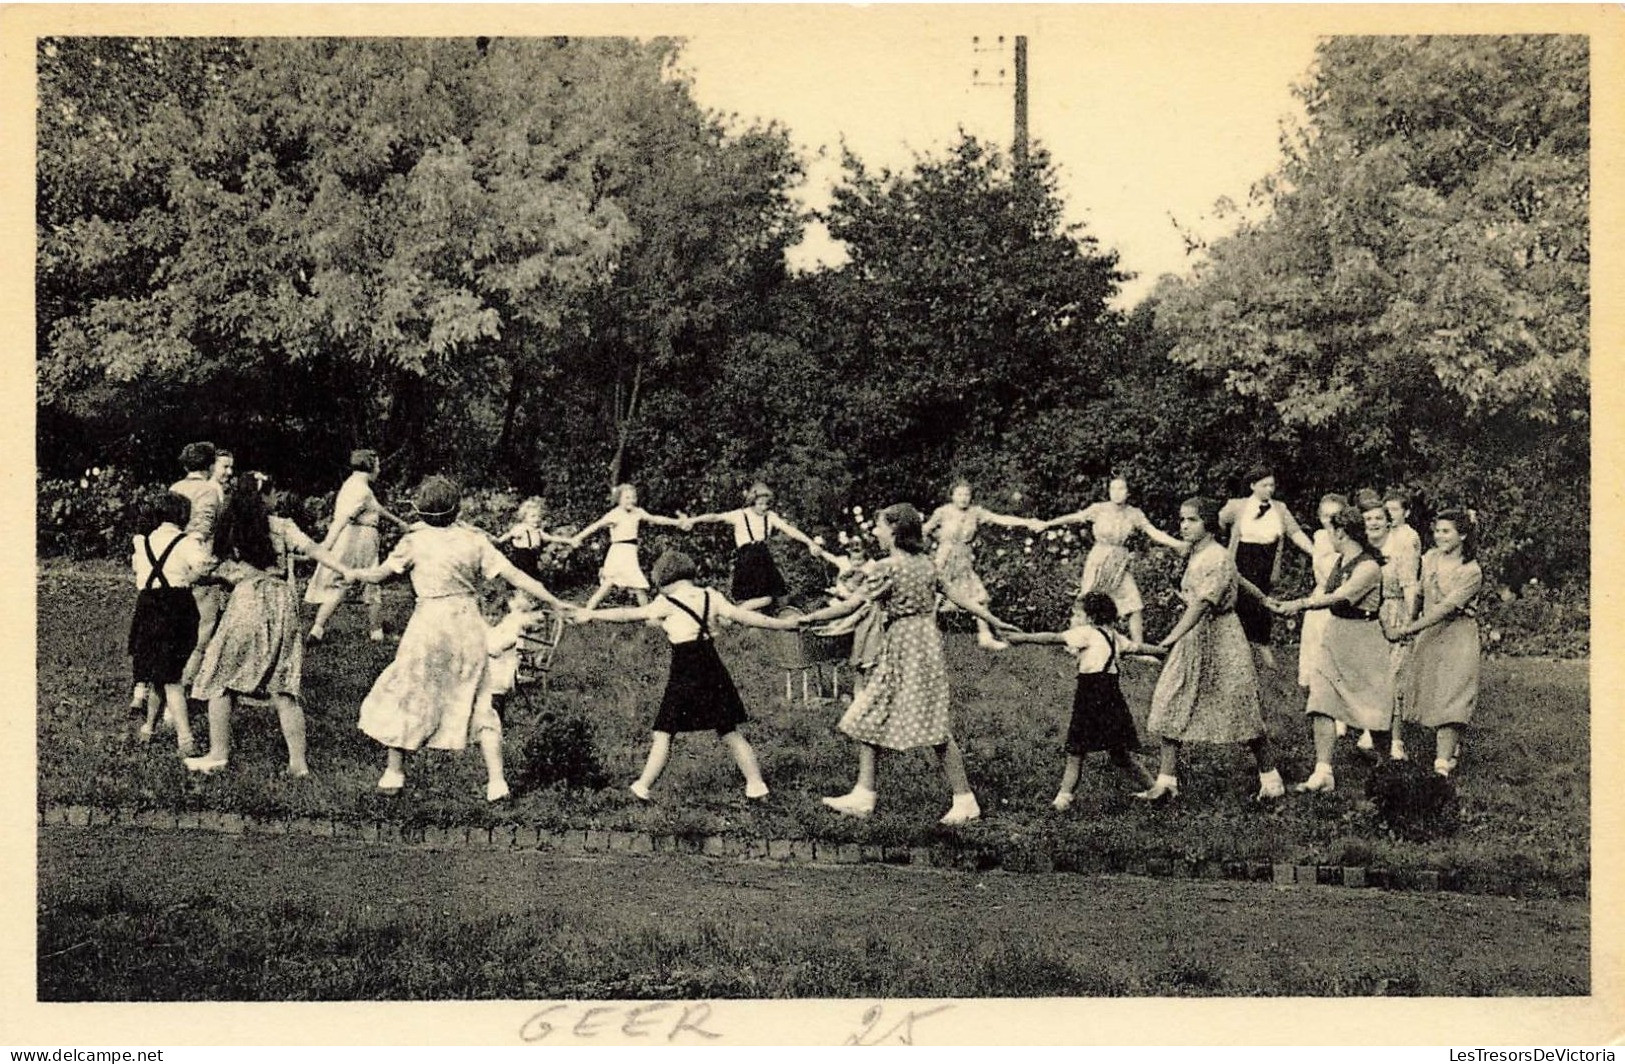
905, 703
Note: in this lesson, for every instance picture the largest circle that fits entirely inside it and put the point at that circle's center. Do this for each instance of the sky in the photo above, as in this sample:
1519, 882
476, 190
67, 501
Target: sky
1151, 118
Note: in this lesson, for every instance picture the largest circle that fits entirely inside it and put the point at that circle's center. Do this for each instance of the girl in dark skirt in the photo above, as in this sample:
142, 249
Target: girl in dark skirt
1258, 525
700, 695
1100, 716
163, 629
757, 583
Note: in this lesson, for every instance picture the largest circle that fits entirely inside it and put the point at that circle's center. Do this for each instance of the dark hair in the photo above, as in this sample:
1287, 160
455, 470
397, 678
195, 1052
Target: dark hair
1368, 499
758, 488
363, 458
1207, 509
1257, 473
1399, 495
438, 500
244, 532
905, 522
671, 567
1351, 521
1467, 525
1099, 607
171, 507
196, 457
1338, 499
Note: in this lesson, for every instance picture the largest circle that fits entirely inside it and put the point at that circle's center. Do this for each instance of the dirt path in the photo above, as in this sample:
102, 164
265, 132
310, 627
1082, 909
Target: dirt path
1252, 932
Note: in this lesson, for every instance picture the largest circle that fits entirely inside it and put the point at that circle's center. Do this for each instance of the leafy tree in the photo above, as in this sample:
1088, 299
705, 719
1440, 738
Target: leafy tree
1418, 291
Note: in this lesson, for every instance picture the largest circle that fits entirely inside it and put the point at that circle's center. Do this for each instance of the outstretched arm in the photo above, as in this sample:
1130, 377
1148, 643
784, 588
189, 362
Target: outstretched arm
1007, 521
801, 537
1034, 637
1295, 531
656, 519
976, 609
727, 609
586, 533
1077, 517
654, 611
1158, 536
1189, 619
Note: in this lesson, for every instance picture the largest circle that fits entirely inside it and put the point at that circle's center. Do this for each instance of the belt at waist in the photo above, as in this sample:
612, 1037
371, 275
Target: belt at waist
621, 542
1347, 612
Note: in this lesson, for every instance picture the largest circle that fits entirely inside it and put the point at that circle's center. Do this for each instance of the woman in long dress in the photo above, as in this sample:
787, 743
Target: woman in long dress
1352, 681
256, 649
1208, 689
1440, 676
757, 583
905, 703
437, 691
353, 539
1108, 567
955, 524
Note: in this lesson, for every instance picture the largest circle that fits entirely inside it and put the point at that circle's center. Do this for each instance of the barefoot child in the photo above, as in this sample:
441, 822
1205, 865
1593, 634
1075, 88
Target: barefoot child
1100, 716
437, 691
163, 629
621, 568
700, 695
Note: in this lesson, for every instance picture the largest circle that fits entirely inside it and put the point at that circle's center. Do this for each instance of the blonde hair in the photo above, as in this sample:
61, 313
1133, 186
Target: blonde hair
532, 505
756, 489
615, 492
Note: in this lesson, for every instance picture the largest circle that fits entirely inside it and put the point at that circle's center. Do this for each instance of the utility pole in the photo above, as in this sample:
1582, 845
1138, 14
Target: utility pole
1020, 148
1019, 141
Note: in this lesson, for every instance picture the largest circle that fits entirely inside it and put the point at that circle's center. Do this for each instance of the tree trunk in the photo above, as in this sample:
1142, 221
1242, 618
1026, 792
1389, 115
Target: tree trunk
623, 423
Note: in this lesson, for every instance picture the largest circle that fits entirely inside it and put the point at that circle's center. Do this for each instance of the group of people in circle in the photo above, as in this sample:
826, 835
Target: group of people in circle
1388, 635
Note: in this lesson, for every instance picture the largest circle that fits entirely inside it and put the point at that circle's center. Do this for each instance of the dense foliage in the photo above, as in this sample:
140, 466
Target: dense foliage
540, 265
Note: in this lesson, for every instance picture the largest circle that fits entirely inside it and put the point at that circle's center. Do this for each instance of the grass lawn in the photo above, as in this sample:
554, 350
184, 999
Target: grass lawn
1523, 786
139, 915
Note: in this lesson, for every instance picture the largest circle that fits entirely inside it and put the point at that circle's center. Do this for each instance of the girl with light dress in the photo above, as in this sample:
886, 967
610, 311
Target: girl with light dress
256, 648
353, 539
438, 690
621, 568
1108, 567
700, 695
1440, 675
1352, 679
1208, 689
955, 524
757, 583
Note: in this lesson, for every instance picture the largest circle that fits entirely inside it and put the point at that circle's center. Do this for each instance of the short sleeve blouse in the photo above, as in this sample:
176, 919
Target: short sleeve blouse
902, 587
1210, 576
447, 561
1457, 587
1092, 647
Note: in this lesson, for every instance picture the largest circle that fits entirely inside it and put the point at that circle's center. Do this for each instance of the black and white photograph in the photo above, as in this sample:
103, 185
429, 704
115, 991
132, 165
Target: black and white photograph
792, 524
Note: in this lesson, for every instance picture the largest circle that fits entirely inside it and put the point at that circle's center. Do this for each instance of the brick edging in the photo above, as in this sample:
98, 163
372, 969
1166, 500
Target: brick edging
802, 851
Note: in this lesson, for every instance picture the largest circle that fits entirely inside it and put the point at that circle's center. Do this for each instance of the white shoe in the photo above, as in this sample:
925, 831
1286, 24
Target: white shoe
1270, 785
963, 809
860, 802
991, 642
1319, 780
204, 764
1062, 803
1444, 767
1365, 742
1165, 788
393, 779
1342, 729
144, 733
756, 791
639, 791
496, 790
1396, 750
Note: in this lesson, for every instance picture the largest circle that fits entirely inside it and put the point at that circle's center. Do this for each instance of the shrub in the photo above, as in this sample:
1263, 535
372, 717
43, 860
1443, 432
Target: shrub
560, 750
1412, 802
92, 517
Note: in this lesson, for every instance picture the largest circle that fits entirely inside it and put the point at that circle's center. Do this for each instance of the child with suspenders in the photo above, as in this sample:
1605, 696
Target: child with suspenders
1100, 716
700, 695
163, 628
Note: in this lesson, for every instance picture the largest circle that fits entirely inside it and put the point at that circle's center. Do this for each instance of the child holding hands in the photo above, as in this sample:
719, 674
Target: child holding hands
1100, 715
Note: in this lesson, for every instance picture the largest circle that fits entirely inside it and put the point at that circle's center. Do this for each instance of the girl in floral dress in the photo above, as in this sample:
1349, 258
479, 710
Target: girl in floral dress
955, 523
621, 567
905, 703
437, 691
1107, 568
256, 648
1440, 677
1208, 690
